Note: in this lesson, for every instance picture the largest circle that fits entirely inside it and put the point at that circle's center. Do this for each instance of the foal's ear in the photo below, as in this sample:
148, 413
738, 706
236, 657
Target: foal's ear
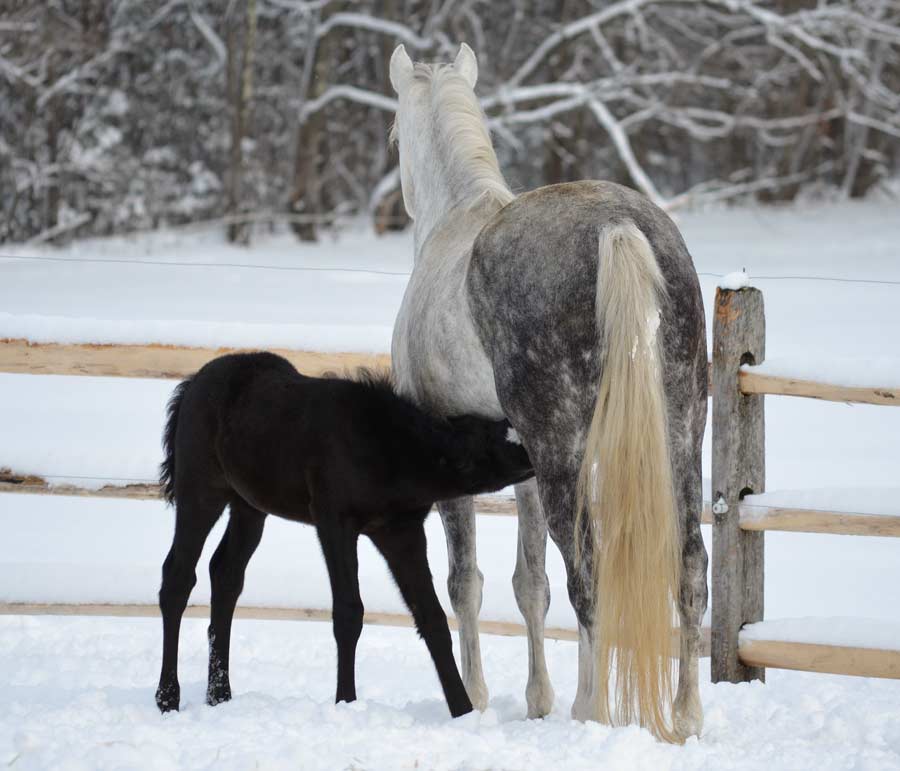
401, 68
466, 64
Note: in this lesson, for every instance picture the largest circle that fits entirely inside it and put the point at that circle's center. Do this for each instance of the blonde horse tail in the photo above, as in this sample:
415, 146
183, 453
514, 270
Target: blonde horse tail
625, 487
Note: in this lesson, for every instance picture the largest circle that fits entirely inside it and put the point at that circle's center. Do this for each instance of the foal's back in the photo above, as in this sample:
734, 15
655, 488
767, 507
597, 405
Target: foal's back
252, 424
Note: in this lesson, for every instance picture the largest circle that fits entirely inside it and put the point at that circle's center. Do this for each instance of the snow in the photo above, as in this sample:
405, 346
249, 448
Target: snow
336, 297
51, 553
78, 694
850, 632
737, 280
101, 432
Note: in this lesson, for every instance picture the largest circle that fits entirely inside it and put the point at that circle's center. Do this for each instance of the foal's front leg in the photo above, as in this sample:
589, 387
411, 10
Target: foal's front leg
339, 547
464, 584
404, 548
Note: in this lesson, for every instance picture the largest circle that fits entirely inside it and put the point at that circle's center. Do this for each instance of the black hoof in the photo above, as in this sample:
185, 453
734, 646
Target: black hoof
460, 707
218, 694
168, 698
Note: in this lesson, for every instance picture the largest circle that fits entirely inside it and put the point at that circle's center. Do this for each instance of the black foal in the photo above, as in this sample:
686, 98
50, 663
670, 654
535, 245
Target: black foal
349, 457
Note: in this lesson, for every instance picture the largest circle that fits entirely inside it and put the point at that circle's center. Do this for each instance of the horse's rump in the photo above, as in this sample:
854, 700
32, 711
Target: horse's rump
569, 285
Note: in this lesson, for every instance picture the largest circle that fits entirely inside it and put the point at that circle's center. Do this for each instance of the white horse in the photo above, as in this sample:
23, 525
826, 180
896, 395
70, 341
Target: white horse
575, 311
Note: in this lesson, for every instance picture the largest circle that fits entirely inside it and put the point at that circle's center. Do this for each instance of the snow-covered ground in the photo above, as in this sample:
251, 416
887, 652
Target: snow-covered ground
78, 694
89, 431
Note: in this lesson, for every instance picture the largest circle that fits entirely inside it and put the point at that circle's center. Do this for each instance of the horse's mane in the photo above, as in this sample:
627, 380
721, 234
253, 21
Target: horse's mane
461, 133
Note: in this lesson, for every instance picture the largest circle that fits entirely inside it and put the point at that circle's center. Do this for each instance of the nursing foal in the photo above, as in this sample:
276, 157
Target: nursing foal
349, 457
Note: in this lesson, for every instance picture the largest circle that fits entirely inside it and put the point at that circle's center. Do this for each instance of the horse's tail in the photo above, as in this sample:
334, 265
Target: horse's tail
167, 467
625, 487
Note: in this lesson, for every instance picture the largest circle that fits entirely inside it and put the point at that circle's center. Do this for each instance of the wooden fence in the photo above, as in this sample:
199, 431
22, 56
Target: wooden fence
739, 469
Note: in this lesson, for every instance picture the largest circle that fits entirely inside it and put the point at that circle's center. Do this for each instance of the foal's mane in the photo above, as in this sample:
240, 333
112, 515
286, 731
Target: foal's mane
461, 134
429, 426
377, 379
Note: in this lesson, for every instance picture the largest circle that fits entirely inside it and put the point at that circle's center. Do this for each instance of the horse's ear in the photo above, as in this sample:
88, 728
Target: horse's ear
466, 64
401, 68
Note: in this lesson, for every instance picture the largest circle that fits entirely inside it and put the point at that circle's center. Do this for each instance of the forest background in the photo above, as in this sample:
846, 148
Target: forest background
126, 115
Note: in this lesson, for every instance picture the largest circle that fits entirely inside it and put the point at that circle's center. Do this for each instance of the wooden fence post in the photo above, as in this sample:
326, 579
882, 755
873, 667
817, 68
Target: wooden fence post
738, 468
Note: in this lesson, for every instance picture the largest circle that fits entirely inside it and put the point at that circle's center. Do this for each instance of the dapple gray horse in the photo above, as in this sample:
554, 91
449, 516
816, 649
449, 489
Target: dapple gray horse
575, 311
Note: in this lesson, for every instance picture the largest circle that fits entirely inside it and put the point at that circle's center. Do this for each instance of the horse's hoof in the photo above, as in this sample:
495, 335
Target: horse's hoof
687, 718
478, 695
539, 696
168, 698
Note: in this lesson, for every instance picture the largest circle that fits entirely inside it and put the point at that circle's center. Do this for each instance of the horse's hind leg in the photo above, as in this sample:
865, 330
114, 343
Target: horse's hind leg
557, 488
532, 590
464, 584
226, 575
687, 709
405, 551
195, 515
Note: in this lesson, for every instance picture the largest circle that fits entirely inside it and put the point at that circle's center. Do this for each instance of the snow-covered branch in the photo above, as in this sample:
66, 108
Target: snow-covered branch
351, 94
623, 147
364, 21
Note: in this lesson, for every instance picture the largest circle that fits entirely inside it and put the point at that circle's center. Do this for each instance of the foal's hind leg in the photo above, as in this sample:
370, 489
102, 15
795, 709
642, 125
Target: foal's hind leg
464, 584
405, 550
339, 547
532, 590
226, 574
195, 516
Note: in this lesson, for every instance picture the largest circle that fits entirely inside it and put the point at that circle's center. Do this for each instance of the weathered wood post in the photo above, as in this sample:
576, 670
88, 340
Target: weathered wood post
738, 468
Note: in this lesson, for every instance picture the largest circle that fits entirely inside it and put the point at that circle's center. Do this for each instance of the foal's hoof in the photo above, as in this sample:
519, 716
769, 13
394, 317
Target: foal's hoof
460, 710
217, 694
168, 698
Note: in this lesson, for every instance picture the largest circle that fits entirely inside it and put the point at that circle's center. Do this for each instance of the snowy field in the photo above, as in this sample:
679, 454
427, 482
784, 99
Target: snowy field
344, 298
78, 694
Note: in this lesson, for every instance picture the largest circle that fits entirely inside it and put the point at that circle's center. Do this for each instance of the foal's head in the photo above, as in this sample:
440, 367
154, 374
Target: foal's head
490, 455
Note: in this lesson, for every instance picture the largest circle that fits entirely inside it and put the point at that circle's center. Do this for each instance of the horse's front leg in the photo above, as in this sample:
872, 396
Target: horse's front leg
464, 584
339, 547
532, 590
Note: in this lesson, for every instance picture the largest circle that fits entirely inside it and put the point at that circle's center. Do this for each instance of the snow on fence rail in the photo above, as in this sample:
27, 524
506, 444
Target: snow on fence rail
738, 471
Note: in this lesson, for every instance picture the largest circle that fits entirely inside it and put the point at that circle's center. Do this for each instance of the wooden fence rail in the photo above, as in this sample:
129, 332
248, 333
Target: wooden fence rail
376, 618
776, 385
166, 362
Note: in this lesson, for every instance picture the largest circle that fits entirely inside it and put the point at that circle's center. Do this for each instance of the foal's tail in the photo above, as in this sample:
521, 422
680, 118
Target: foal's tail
625, 487
167, 467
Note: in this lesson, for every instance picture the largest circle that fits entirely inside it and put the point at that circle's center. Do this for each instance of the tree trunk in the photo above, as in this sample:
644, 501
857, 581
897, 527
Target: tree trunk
240, 94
